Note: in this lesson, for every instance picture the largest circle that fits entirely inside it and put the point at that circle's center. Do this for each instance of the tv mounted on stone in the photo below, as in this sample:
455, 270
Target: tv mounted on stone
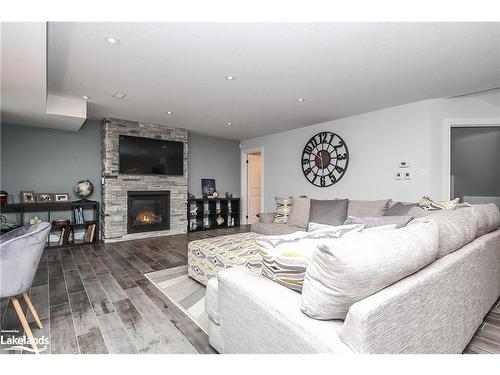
149, 156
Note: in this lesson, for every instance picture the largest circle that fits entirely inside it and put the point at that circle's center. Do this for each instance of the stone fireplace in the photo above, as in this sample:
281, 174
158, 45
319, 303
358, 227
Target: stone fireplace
150, 213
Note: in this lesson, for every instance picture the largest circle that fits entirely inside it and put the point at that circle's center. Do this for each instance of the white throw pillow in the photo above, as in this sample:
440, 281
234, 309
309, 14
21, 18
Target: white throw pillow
286, 257
346, 270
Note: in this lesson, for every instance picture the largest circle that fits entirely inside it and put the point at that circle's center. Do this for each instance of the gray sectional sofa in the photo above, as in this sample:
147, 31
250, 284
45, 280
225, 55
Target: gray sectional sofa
435, 310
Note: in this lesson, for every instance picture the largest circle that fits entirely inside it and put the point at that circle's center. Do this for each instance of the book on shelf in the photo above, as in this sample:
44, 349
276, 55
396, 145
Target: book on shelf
89, 234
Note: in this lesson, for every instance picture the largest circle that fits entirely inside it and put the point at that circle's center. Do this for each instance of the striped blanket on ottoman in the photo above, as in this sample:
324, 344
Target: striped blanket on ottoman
208, 256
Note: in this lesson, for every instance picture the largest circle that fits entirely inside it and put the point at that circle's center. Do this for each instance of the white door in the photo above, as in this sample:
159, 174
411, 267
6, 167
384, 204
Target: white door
253, 187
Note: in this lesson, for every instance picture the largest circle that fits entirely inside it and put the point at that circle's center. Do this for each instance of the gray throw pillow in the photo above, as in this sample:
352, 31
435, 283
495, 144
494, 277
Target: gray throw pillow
400, 209
376, 221
300, 212
368, 208
331, 212
488, 218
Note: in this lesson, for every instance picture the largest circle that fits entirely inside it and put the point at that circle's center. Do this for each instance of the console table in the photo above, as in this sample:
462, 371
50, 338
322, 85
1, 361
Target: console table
50, 208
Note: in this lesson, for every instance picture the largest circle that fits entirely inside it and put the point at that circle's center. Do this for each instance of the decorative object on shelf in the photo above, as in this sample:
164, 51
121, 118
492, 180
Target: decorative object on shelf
325, 159
61, 222
61, 197
3, 197
43, 198
215, 194
219, 220
89, 233
194, 211
35, 220
27, 197
207, 187
228, 195
190, 196
79, 218
84, 189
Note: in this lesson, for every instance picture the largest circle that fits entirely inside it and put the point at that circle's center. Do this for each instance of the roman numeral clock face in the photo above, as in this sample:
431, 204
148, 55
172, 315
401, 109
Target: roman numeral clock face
324, 159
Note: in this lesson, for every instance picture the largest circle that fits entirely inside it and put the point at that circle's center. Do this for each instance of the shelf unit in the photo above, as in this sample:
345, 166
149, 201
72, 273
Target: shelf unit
50, 208
202, 213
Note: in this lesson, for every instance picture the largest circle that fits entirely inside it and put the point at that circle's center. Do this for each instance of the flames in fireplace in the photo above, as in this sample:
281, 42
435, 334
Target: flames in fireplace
146, 217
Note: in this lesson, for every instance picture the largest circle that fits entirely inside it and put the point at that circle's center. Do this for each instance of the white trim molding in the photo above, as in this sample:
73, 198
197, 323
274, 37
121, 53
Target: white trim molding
457, 123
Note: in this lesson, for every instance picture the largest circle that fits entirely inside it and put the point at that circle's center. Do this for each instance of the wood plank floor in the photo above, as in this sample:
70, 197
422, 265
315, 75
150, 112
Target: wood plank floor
95, 299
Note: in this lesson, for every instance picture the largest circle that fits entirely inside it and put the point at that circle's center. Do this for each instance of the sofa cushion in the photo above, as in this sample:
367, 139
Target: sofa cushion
273, 228
417, 211
399, 209
299, 216
376, 221
456, 228
211, 302
488, 218
331, 212
368, 208
285, 258
346, 270
283, 209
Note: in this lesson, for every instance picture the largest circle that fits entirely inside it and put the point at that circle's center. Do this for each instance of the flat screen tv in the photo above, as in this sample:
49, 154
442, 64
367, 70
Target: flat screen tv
151, 156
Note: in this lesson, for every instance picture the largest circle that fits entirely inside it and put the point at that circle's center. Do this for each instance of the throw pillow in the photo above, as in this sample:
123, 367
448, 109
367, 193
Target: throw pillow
299, 216
368, 208
375, 221
344, 271
488, 218
286, 257
331, 212
456, 228
400, 209
428, 204
419, 212
283, 209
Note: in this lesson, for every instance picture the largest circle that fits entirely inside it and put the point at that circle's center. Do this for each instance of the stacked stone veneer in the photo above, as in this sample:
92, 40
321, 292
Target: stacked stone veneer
116, 185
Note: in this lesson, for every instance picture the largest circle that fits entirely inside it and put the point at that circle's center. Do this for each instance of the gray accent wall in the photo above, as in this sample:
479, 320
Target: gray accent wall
475, 159
218, 158
49, 160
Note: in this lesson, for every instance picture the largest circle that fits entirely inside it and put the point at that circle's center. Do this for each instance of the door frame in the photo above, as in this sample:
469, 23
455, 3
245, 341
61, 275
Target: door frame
244, 180
457, 123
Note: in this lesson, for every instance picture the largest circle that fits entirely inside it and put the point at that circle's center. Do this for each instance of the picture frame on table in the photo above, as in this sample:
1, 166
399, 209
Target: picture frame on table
61, 197
207, 187
27, 196
44, 198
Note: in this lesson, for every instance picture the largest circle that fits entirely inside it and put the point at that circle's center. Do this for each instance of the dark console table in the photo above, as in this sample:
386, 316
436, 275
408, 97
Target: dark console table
202, 213
50, 208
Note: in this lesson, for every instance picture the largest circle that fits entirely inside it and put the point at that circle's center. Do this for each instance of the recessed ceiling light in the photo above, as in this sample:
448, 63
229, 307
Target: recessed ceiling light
230, 78
229, 123
86, 97
169, 113
112, 40
300, 100
120, 94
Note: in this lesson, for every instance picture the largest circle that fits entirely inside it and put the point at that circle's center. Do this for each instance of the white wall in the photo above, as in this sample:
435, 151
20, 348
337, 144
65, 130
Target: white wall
377, 141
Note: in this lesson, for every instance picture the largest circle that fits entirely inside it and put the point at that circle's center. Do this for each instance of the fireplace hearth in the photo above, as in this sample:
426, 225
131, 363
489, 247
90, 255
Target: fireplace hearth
148, 211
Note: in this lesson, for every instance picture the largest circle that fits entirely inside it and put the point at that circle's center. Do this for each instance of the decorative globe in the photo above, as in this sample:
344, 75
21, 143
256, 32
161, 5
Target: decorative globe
84, 189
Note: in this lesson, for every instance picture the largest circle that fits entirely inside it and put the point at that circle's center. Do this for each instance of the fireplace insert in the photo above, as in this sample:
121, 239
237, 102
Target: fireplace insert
148, 211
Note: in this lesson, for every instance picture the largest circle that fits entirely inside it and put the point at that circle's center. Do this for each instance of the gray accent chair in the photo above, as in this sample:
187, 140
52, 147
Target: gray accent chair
20, 253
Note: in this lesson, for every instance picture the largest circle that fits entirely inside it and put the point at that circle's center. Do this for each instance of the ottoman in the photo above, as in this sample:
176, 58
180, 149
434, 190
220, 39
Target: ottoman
208, 256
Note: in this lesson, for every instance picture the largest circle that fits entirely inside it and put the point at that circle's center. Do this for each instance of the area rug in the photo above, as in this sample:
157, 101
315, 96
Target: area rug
187, 294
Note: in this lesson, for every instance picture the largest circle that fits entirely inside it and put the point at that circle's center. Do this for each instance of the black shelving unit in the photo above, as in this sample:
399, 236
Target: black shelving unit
49, 208
202, 213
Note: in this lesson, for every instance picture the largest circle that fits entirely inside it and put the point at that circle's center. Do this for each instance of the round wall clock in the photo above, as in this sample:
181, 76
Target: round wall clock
325, 159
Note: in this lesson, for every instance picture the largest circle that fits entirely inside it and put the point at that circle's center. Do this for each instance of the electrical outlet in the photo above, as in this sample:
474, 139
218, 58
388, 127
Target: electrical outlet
407, 175
404, 164
398, 175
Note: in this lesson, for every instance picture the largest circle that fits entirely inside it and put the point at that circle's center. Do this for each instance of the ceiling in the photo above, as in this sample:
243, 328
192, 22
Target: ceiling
340, 69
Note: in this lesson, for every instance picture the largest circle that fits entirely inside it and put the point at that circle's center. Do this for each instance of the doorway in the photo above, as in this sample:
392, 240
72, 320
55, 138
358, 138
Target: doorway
253, 186
474, 160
